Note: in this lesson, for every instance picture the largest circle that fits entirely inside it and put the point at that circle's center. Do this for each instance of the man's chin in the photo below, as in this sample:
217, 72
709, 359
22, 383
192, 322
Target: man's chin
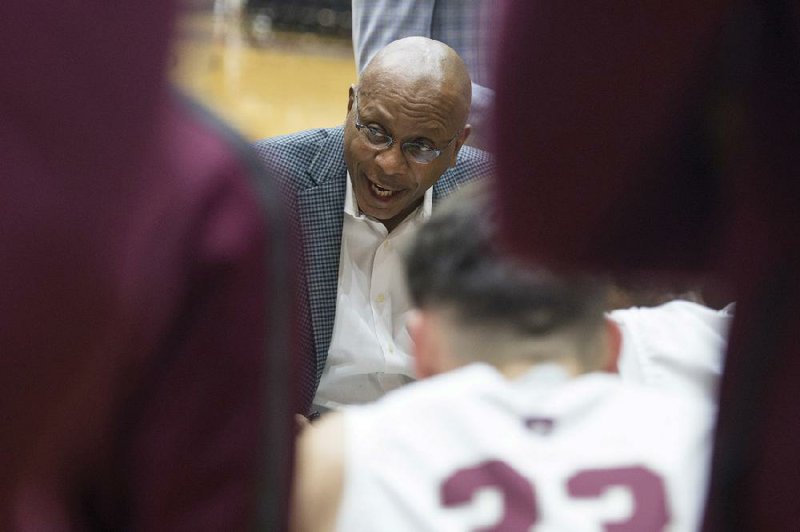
381, 215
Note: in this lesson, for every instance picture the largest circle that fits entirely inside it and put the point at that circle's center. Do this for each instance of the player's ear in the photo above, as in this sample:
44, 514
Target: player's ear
614, 339
422, 328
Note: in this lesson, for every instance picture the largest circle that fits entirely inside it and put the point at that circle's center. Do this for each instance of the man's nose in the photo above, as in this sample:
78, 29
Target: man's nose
392, 160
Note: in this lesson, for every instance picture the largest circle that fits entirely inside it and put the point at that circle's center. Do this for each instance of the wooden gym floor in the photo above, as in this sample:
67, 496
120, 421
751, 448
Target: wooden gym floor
263, 83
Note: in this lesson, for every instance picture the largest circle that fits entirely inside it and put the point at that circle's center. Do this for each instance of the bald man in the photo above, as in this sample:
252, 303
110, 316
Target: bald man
358, 192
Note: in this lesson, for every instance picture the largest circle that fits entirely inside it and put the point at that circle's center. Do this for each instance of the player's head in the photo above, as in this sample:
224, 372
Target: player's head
406, 122
476, 304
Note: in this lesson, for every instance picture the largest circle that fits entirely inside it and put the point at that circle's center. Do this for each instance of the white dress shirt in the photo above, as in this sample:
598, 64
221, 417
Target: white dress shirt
370, 351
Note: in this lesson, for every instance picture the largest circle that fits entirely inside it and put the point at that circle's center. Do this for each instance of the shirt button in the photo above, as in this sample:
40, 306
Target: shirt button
391, 348
380, 298
387, 244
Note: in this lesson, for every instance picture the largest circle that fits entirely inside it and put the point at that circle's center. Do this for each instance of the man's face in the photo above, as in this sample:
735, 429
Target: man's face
388, 183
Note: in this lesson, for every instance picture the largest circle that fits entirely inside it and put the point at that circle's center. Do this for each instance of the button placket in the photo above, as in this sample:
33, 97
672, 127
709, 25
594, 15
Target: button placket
379, 297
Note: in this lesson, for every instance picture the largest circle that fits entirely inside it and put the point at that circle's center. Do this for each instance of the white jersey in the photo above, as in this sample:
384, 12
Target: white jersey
678, 346
471, 450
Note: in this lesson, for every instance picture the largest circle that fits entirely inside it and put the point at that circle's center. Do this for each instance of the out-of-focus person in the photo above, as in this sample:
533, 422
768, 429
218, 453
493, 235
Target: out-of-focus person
142, 293
464, 25
668, 334
357, 193
519, 426
677, 346
663, 138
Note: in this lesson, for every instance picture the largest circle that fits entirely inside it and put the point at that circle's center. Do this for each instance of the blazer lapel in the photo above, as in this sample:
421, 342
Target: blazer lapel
321, 210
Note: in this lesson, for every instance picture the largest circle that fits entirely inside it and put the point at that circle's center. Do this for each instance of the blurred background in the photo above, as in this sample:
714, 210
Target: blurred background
269, 67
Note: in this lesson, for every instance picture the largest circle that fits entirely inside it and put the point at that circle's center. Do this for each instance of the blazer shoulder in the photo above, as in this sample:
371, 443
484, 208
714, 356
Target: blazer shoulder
293, 147
472, 161
472, 164
289, 158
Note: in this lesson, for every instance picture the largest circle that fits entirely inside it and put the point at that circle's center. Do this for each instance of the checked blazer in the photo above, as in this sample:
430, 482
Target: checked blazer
310, 170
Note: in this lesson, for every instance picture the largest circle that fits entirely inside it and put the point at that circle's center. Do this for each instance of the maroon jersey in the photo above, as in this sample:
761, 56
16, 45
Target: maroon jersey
662, 137
136, 268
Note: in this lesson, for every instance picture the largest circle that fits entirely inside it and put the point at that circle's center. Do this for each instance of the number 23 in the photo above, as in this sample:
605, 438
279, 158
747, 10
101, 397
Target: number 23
520, 506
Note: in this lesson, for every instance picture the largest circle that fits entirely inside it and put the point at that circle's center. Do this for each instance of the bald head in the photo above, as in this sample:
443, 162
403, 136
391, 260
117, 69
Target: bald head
406, 123
422, 66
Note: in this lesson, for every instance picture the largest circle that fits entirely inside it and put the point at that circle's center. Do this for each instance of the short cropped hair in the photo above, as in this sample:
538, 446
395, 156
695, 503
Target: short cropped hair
454, 264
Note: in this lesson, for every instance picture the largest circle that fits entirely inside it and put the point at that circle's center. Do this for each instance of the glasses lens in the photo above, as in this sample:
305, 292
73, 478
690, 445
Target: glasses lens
421, 154
375, 137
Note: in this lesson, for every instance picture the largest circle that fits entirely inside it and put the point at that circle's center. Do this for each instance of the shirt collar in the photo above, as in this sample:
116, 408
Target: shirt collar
351, 205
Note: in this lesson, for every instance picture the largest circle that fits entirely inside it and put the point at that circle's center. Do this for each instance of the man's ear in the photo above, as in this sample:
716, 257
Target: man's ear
351, 98
428, 343
614, 339
462, 138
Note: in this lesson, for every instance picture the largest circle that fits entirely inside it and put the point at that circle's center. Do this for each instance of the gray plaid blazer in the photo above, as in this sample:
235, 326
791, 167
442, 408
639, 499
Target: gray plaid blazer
310, 170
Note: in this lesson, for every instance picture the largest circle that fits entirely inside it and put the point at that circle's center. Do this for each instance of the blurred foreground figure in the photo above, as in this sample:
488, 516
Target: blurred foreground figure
138, 278
518, 408
663, 138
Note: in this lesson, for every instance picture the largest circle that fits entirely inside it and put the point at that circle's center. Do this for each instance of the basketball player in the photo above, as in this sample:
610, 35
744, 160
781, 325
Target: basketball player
518, 425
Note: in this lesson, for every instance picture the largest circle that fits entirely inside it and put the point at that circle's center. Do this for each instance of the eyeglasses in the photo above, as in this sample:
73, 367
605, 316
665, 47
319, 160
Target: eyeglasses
419, 152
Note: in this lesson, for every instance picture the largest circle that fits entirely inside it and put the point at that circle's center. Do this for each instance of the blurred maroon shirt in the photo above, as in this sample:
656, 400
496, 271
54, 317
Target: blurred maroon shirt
663, 138
137, 289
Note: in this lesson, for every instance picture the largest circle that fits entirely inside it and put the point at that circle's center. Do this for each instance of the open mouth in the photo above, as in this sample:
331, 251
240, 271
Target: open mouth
382, 192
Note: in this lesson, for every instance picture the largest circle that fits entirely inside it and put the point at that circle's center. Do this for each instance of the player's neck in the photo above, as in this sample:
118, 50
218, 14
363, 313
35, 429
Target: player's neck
514, 369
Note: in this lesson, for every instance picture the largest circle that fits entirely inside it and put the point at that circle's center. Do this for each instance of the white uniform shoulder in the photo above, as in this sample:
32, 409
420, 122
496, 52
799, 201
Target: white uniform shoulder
677, 346
419, 458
